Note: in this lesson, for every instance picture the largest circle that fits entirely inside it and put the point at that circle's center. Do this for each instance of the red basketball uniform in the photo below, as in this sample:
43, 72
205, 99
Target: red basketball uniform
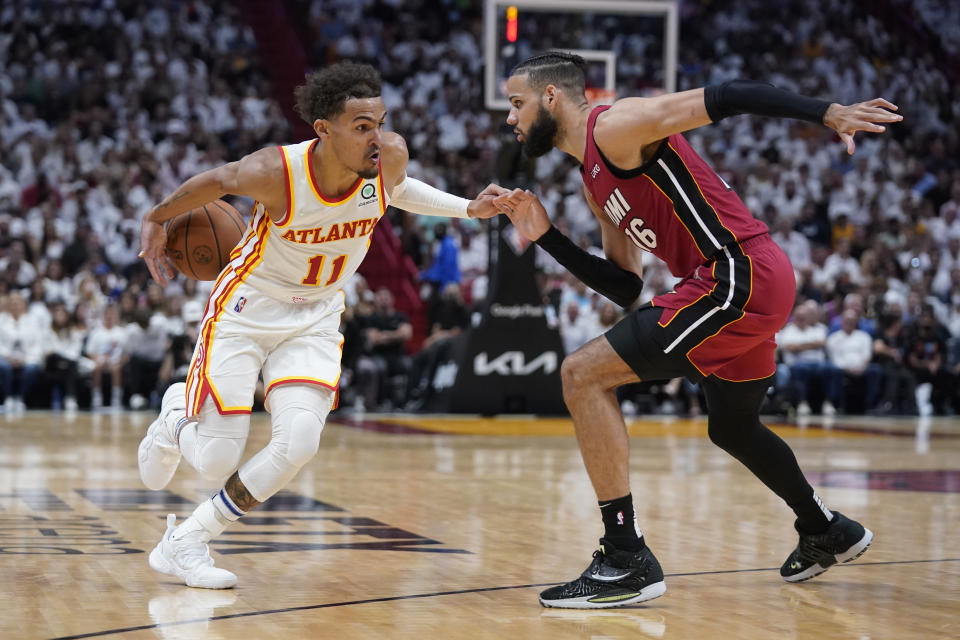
737, 287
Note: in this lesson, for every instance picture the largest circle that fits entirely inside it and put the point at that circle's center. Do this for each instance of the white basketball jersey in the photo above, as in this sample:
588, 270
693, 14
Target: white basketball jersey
320, 242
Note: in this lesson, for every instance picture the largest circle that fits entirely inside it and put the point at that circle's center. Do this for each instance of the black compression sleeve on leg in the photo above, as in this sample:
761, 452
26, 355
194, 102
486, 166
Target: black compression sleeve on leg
603, 276
734, 426
741, 96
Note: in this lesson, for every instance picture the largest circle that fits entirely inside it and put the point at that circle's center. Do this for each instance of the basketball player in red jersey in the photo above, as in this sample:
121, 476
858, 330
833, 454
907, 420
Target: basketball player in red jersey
650, 191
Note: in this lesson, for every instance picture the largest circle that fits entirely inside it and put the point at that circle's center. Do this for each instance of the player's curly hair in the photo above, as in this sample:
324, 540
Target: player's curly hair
324, 93
565, 70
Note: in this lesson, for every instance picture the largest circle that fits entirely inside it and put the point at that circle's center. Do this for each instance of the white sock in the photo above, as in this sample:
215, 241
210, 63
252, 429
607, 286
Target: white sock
226, 507
210, 517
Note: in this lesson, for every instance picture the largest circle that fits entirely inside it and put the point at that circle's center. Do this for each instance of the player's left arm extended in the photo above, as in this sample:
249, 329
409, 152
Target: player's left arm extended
646, 120
416, 196
606, 277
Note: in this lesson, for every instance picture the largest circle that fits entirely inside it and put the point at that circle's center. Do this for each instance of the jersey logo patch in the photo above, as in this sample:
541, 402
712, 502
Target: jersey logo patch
595, 170
240, 304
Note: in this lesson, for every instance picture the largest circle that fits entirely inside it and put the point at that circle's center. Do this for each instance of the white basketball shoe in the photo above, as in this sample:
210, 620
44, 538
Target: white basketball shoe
159, 454
187, 556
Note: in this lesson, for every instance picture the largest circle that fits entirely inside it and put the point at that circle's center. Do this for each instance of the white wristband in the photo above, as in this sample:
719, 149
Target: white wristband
419, 197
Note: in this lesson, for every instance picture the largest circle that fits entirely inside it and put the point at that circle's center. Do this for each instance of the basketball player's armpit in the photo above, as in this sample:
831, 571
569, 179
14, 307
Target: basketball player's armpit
239, 494
742, 96
603, 276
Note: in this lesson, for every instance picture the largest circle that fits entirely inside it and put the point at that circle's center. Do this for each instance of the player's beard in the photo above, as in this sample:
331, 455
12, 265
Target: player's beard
540, 139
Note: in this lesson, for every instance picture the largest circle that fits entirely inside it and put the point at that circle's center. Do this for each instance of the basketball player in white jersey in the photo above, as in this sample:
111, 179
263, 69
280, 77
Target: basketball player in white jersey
276, 307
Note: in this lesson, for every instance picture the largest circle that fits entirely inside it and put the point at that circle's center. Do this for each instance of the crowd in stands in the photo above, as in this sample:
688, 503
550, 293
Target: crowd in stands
106, 107
874, 237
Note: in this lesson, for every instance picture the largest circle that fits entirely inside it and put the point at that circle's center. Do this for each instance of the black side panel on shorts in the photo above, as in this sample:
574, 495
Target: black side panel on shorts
636, 339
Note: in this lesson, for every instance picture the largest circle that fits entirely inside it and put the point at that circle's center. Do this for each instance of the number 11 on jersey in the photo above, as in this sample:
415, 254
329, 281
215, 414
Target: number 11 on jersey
316, 264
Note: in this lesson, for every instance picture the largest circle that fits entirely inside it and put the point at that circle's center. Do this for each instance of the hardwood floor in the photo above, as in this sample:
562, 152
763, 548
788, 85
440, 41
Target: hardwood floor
447, 527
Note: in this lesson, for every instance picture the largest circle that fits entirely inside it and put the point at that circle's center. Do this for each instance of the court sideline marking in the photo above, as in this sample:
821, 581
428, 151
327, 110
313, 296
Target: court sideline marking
327, 605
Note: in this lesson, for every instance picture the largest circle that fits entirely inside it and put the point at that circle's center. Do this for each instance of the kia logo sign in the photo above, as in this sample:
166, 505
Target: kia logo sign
513, 363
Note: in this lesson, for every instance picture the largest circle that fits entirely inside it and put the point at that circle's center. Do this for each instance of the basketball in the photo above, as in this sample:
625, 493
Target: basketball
199, 242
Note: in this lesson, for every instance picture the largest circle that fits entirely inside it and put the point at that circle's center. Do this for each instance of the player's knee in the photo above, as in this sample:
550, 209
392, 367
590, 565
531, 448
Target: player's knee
305, 430
573, 372
730, 430
219, 457
298, 418
717, 431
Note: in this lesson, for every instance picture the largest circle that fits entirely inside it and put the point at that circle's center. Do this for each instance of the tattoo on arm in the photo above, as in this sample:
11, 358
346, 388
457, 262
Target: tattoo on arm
169, 201
239, 494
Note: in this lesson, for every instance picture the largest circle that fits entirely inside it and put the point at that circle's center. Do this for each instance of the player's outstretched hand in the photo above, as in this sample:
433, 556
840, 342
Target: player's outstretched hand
526, 212
862, 116
492, 191
153, 250
483, 207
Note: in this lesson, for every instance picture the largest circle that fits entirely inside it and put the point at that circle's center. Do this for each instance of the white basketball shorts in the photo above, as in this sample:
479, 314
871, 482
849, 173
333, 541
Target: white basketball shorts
245, 332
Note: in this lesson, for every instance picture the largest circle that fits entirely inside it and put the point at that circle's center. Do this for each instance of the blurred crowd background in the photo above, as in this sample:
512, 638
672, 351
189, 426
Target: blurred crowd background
105, 107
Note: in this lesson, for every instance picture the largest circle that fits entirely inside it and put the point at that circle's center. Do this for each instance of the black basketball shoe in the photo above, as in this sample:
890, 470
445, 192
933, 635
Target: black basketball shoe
843, 541
614, 578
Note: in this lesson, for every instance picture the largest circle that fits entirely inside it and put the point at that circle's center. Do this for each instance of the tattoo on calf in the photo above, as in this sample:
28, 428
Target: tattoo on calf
239, 494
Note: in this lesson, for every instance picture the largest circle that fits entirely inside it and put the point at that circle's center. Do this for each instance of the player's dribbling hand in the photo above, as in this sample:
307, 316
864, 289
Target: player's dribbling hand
525, 212
862, 116
153, 250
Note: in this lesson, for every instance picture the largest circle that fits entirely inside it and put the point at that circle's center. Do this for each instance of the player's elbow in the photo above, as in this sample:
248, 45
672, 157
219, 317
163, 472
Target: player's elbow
226, 178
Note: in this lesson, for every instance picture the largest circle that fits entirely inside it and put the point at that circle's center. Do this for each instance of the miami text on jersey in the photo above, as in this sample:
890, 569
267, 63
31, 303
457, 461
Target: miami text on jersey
616, 208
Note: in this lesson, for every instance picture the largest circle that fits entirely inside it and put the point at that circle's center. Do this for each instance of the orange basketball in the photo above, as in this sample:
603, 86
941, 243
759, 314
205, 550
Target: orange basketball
199, 242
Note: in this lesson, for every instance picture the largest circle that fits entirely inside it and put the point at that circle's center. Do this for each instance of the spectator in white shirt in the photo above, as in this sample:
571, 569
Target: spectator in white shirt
105, 347
64, 347
57, 287
37, 306
841, 266
802, 341
18, 271
147, 338
21, 354
811, 184
949, 260
948, 222
578, 325
851, 350
789, 202
794, 243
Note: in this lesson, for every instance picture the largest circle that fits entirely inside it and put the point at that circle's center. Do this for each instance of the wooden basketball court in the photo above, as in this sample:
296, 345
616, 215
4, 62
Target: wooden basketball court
415, 527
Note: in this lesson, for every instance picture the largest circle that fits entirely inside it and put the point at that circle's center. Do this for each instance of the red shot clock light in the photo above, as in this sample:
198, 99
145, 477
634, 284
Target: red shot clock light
511, 24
